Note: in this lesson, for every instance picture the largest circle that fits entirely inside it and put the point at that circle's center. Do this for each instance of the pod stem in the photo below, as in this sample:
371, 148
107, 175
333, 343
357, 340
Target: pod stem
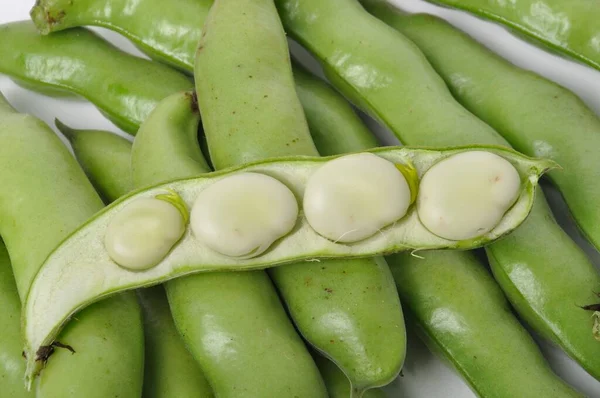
412, 178
173, 198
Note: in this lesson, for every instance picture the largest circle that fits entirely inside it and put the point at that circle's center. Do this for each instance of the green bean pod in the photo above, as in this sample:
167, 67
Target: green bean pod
261, 355
12, 365
362, 65
45, 196
348, 310
532, 113
171, 38
123, 87
488, 338
569, 27
100, 155
328, 112
476, 333
169, 369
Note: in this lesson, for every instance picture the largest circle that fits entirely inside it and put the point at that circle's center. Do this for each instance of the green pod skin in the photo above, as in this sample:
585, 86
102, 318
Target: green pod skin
337, 382
100, 155
169, 369
569, 27
327, 112
39, 174
475, 332
171, 38
12, 366
483, 349
348, 310
123, 87
533, 114
539, 253
262, 355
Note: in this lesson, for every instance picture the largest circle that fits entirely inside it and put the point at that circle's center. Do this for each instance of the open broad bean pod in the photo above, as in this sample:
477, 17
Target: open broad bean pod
269, 213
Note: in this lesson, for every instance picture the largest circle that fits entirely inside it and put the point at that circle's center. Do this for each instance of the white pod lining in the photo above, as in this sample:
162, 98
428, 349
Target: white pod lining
352, 197
243, 214
143, 233
466, 195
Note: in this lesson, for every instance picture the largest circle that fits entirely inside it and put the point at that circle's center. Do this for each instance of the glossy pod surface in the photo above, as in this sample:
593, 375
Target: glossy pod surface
536, 116
38, 173
539, 253
569, 27
123, 87
172, 37
169, 369
218, 314
255, 115
480, 339
460, 313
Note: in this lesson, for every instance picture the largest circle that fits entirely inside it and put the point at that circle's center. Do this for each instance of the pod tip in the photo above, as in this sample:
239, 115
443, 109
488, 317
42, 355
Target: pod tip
67, 131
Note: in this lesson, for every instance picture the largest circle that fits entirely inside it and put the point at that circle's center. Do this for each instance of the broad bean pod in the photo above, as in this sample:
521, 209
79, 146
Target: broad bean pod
169, 369
60, 278
361, 65
45, 196
569, 27
171, 38
123, 87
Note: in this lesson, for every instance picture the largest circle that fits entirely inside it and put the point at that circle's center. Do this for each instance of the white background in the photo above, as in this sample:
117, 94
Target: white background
424, 375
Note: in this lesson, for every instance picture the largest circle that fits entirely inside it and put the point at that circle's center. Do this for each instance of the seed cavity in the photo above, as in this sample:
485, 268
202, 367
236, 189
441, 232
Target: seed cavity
145, 231
243, 214
352, 197
466, 195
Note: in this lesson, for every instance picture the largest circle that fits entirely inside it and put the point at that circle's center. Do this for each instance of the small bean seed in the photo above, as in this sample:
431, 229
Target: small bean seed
143, 233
